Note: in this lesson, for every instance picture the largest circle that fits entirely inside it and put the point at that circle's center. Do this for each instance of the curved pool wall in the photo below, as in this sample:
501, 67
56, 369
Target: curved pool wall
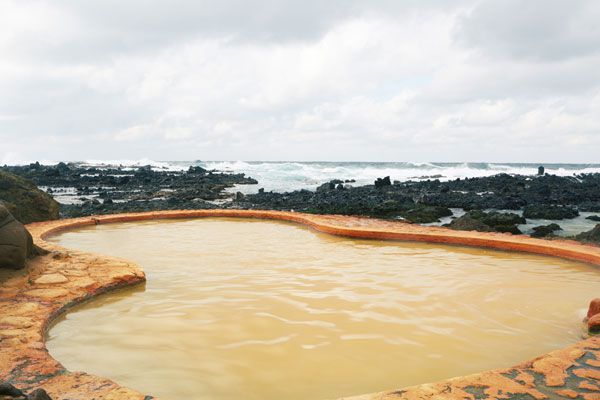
32, 298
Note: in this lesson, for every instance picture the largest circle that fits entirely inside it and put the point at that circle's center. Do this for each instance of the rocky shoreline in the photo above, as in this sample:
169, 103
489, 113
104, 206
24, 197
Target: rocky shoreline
499, 203
88, 190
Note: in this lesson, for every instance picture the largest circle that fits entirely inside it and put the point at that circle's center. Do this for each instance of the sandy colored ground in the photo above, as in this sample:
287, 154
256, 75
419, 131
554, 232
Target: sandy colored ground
30, 299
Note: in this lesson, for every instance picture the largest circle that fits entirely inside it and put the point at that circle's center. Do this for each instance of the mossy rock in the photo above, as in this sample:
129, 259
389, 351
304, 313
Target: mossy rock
25, 201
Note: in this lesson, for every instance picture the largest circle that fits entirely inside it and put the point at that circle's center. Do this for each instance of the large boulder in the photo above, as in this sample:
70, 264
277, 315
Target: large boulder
25, 201
16, 243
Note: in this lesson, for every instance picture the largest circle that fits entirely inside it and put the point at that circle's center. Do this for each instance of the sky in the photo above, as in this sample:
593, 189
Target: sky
336, 80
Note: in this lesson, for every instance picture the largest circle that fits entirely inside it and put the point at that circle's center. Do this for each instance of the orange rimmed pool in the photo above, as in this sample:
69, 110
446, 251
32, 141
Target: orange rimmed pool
264, 310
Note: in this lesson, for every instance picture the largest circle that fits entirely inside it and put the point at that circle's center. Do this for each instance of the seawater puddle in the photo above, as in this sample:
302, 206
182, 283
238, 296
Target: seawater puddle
269, 310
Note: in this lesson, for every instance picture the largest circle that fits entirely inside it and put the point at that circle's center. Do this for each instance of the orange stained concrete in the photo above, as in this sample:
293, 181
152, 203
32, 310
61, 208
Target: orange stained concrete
30, 299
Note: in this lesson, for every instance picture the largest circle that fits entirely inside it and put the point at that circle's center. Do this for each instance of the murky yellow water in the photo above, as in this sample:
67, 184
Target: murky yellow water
242, 309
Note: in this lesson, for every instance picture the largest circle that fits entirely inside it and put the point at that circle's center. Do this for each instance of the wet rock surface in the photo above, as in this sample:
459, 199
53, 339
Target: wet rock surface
16, 243
25, 201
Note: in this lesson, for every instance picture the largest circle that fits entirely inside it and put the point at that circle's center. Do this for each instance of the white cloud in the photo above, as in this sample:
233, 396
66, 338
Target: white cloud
380, 80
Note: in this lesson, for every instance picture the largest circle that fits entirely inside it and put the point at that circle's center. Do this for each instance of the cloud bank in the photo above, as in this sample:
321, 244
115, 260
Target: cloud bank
300, 80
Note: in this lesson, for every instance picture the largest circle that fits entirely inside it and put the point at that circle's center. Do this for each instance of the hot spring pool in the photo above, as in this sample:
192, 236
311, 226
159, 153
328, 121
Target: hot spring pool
250, 309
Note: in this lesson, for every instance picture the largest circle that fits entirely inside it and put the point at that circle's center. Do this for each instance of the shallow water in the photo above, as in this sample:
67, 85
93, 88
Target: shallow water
268, 310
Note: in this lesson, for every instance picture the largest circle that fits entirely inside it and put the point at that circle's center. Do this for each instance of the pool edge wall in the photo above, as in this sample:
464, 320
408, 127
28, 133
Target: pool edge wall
32, 298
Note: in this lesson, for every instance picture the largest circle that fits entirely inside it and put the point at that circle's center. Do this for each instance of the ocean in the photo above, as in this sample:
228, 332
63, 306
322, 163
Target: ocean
283, 176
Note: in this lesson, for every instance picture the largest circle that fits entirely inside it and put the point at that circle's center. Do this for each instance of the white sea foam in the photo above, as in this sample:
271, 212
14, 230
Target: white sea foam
159, 165
286, 176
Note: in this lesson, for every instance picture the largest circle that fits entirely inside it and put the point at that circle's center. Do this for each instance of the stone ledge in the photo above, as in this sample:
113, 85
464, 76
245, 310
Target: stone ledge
31, 299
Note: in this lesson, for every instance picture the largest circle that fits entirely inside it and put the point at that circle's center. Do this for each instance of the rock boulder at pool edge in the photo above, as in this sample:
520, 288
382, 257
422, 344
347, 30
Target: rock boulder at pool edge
16, 243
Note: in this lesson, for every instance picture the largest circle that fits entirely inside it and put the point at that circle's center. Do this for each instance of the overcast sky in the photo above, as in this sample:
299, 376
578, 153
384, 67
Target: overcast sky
388, 80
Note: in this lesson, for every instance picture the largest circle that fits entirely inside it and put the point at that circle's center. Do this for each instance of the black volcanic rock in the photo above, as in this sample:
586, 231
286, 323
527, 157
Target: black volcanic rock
129, 190
422, 214
382, 182
542, 195
549, 212
478, 220
545, 230
468, 223
494, 218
